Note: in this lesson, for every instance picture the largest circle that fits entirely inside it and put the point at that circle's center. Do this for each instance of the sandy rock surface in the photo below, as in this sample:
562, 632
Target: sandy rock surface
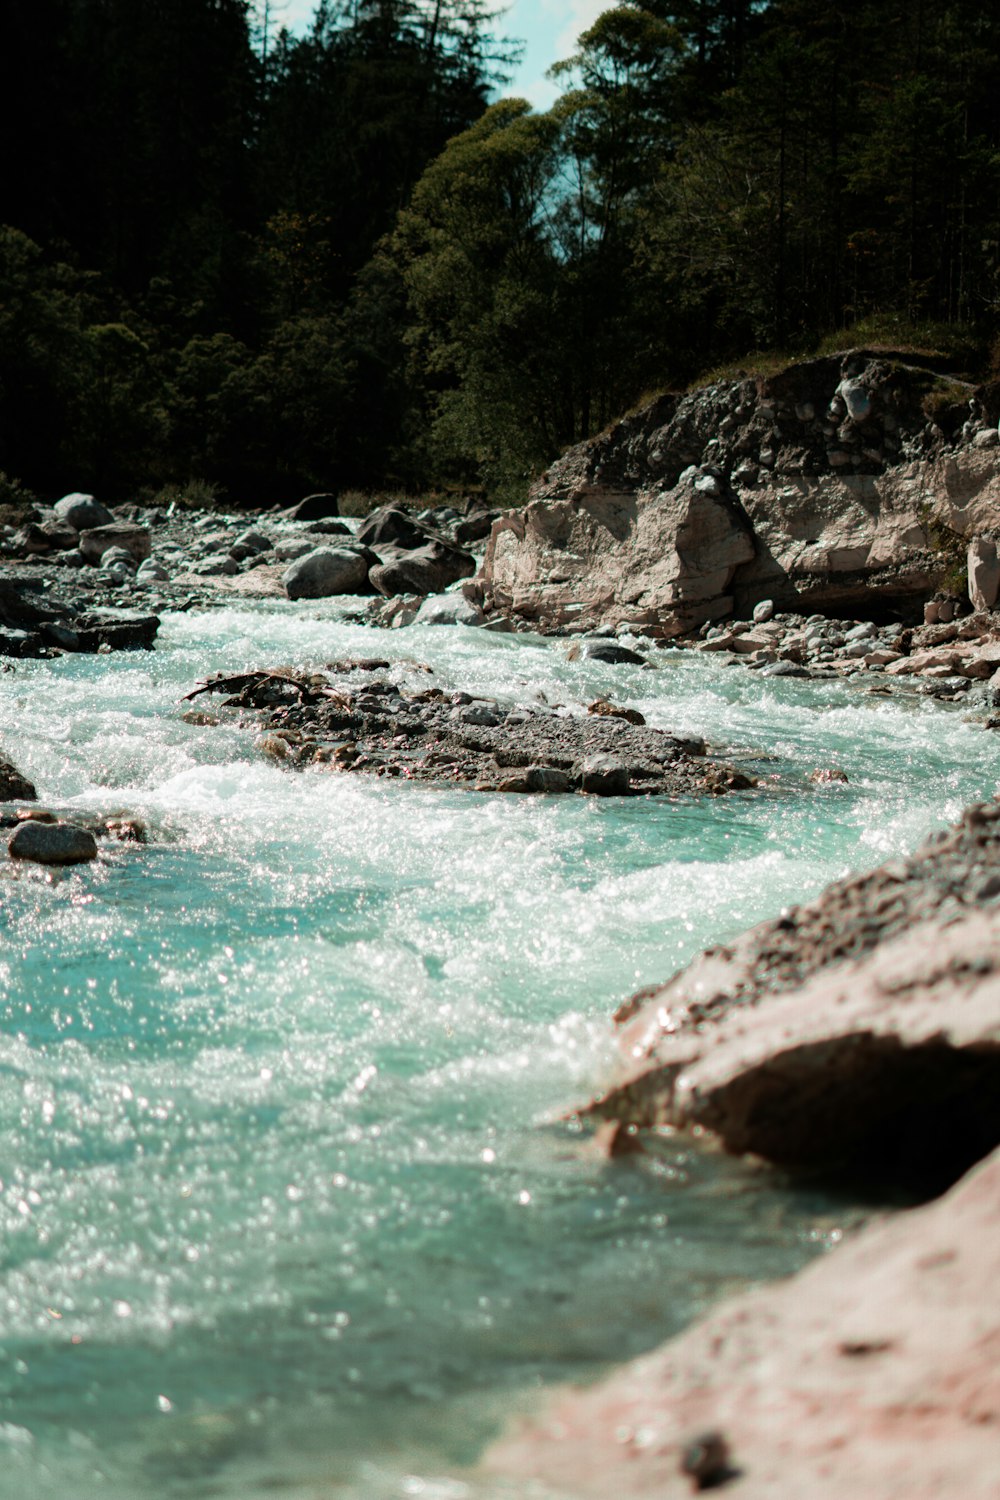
874, 1373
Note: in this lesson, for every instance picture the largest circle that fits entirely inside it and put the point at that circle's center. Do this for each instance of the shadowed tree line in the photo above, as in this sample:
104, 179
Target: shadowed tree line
274, 262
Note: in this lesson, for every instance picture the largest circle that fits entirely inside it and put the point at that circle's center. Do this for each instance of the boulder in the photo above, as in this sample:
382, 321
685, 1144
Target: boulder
112, 630
475, 526
872, 1373
52, 843
327, 571
865, 1022
318, 507
984, 572
83, 512
13, 786
611, 652
391, 527
449, 609
94, 542
604, 776
424, 570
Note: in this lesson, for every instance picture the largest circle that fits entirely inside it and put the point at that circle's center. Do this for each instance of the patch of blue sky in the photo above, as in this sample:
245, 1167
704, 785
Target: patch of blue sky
548, 29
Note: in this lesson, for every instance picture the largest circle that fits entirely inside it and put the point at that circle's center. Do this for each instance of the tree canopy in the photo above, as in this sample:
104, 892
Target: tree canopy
273, 261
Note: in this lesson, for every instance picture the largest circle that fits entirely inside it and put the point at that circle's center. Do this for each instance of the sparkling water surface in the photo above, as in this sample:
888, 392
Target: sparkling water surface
288, 1203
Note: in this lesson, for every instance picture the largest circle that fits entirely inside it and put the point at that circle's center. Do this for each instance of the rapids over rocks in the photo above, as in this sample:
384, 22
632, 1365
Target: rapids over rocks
289, 1200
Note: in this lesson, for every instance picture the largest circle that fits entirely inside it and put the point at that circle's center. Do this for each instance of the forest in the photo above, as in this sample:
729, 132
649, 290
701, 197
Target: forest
245, 264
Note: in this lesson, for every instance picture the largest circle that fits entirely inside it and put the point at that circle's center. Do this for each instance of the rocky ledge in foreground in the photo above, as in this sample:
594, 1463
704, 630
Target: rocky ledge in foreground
864, 1025
872, 1373
369, 724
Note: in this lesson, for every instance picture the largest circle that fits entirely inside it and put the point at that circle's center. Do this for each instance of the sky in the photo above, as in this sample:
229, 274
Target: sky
549, 29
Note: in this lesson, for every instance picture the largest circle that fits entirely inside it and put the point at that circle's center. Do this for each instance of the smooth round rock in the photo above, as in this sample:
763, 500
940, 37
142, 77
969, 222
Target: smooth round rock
327, 571
52, 843
82, 512
763, 611
449, 609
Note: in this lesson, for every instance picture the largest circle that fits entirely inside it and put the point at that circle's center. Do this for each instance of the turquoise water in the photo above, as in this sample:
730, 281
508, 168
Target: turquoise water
287, 1203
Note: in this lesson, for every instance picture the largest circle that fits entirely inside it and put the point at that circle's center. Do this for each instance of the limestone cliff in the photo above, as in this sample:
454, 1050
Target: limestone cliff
846, 484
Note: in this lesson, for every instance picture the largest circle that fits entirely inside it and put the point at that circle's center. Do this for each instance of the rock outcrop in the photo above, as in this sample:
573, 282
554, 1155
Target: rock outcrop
848, 484
864, 1025
872, 1373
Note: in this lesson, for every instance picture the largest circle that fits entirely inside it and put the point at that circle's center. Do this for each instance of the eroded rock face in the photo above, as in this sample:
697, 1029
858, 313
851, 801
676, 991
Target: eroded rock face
868, 1019
872, 1373
822, 488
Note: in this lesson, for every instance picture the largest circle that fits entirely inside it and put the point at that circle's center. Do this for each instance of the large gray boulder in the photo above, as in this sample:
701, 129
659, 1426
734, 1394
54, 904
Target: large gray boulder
424, 570
449, 609
326, 571
82, 512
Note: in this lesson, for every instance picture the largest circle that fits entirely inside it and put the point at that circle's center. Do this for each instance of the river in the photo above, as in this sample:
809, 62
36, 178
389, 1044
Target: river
289, 1204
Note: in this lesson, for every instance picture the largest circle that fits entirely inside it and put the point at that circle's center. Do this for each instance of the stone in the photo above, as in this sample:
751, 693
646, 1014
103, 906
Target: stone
391, 526
215, 565
291, 547
13, 786
870, 1374
115, 555
449, 609
547, 779
604, 776
611, 652
475, 526
983, 572
83, 512
52, 843
319, 507
107, 630
763, 611
328, 571
95, 541
428, 569
151, 571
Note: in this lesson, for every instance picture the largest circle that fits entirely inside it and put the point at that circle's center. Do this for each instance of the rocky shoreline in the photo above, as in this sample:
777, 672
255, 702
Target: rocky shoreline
840, 520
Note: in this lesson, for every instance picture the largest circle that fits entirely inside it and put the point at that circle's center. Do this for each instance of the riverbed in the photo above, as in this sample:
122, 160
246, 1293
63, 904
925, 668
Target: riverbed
290, 1201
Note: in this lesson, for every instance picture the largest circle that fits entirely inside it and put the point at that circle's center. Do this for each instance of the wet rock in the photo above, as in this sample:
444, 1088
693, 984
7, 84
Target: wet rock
13, 786
52, 843
327, 571
604, 776
448, 609
428, 569
108, 630
611, 652
475, 526
83, 512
